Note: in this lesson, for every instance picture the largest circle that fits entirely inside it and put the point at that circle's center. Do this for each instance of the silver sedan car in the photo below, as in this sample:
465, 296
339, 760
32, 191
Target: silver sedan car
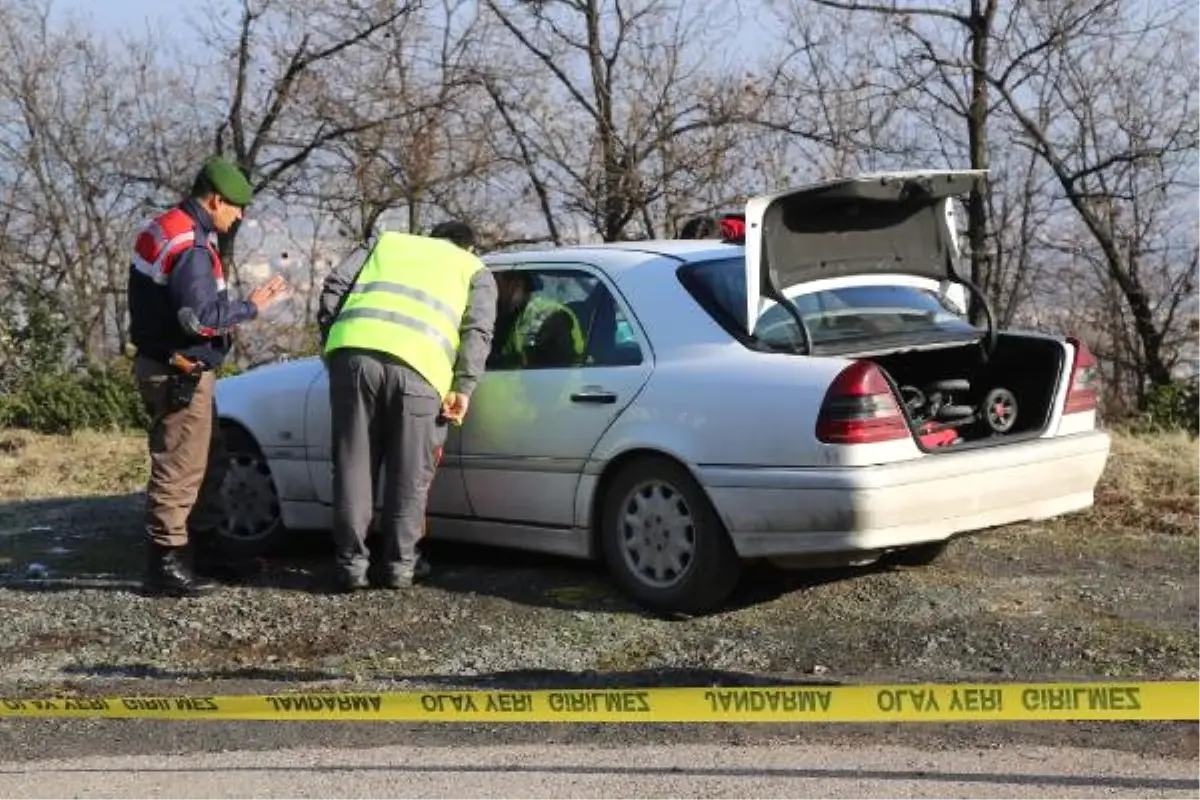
811, 394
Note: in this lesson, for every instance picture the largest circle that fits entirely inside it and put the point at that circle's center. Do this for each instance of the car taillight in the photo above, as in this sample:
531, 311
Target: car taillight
860, 408
1085, 380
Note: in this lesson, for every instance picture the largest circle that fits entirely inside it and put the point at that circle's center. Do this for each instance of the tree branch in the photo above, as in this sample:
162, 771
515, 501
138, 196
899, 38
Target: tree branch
897, 10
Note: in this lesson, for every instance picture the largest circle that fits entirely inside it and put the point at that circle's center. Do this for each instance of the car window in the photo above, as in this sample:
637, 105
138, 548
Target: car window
859, 312
847, 314
559, 318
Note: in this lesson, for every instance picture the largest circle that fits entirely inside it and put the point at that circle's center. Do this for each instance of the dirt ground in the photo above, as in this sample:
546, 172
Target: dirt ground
1110, 592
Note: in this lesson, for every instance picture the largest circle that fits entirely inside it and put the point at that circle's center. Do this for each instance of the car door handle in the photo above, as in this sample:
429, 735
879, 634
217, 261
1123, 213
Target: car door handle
594, 395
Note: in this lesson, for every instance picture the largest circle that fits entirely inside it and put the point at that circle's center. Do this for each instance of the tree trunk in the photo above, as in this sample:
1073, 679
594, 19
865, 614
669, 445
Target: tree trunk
977, 140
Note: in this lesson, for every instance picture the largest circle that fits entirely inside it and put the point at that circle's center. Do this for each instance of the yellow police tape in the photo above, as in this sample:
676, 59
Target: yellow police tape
879, 703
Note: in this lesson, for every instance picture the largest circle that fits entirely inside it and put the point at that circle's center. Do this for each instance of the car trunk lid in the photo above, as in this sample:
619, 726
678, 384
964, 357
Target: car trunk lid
886, 222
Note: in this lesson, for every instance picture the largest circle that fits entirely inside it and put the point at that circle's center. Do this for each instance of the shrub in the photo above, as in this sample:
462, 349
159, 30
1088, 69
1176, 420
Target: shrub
95, 397
41, 392
1173, 407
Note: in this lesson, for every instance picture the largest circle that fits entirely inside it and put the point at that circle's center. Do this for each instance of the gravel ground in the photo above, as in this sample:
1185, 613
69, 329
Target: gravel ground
1037, 601
770, 770
1112, 592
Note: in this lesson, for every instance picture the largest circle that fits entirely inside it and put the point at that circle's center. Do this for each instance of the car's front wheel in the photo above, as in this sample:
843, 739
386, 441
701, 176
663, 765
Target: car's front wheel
663, 541
250, 520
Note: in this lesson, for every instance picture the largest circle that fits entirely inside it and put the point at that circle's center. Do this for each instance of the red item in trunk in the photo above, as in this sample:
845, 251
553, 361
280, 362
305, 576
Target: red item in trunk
938, 438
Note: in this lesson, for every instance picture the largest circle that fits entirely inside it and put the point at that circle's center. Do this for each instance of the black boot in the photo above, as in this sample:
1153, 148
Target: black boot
168, 573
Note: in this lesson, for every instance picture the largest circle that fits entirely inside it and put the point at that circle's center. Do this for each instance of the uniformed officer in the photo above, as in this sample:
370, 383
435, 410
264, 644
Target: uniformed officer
406, 325
181, 320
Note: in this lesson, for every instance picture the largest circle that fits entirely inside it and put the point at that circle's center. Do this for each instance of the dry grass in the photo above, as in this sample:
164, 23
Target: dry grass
1109, 592
1152, 482
33, 466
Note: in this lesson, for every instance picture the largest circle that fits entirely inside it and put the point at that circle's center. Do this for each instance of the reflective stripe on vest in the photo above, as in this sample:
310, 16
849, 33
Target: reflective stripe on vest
163, 239
408, 301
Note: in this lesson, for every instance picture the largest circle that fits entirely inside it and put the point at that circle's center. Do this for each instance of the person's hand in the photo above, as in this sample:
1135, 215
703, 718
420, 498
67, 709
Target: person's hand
270, 292
454, 407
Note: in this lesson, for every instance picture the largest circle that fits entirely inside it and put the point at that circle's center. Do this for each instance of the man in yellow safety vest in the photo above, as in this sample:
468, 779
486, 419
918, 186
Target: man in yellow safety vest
406, 326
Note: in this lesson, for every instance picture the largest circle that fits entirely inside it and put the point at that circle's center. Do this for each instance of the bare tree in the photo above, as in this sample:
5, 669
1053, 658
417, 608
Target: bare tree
611, 107
1119, 139
284, 62
1020, 212
563, 120
832, 110
957, 86
71, 210
434, 142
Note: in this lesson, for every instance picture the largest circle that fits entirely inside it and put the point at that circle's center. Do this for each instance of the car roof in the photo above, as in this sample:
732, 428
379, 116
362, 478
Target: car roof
622, 256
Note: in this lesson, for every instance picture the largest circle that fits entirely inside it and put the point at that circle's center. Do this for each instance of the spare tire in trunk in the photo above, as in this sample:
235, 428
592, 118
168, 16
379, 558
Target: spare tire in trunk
959, 395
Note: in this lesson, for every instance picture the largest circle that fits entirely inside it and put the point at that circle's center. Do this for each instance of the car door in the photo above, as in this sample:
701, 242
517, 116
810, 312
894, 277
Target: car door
447, 494
534, 421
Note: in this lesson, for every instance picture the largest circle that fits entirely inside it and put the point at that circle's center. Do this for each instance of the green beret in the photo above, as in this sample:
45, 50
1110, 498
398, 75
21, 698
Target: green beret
228, 180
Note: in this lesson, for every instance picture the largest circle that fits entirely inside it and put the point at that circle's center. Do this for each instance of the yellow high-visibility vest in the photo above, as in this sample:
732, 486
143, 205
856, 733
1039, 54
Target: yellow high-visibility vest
408, 301
533, 315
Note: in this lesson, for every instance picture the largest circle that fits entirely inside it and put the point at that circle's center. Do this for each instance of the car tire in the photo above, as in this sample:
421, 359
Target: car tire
921, 555
251, 518
654, 509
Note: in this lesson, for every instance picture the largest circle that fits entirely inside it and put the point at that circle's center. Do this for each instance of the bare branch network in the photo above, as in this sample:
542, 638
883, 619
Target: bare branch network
557, 121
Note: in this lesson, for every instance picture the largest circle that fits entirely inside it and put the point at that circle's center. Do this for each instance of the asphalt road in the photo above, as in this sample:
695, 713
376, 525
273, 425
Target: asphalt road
567, 771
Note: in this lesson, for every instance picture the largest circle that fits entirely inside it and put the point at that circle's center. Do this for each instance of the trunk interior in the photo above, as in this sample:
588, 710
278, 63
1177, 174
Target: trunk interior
955, 397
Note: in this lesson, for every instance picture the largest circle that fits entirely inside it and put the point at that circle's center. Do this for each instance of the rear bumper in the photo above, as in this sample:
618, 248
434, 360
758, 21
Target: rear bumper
787, 512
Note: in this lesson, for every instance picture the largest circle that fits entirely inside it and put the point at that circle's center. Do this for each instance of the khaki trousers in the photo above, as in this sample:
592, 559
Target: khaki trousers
182, 492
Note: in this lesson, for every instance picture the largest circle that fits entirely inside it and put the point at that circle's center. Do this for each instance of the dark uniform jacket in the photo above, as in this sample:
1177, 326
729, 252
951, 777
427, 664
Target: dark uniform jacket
180, 303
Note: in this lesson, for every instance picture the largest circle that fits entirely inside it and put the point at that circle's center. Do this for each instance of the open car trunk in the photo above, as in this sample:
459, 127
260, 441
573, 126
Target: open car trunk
873, 224
956, 396
835, 237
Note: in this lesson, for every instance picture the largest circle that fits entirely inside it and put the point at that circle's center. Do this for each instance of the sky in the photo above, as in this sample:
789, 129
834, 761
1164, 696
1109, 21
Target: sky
116, 15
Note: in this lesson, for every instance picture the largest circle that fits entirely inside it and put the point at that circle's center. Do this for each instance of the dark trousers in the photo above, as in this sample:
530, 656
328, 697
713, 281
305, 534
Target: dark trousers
386, 433
186, 463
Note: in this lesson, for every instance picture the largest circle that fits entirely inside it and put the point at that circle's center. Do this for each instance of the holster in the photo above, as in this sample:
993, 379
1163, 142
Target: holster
181, 388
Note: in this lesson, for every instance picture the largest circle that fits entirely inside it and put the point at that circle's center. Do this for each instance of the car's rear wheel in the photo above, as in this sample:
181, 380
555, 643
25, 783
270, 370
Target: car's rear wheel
663, 542
251, 521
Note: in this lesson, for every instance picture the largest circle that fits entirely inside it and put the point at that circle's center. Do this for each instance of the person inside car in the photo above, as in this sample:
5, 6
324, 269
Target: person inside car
533, 330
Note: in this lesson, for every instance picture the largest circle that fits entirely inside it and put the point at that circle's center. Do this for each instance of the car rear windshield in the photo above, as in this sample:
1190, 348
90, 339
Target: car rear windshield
835, 319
